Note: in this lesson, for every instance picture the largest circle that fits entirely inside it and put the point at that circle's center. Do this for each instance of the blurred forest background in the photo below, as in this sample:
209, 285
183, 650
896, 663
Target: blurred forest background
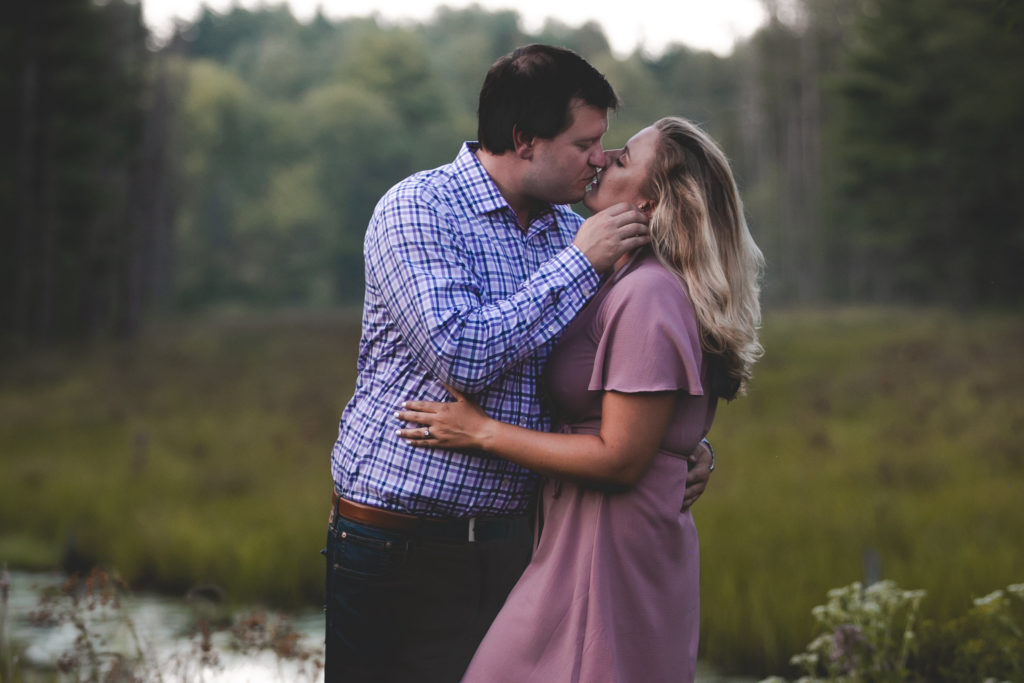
181, 268
878, 145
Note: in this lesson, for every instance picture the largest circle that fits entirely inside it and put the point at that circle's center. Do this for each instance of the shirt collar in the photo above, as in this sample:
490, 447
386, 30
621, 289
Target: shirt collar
482, 193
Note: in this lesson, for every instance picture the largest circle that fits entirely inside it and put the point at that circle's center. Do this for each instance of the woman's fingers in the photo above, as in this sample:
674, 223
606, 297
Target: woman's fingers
422, 406
445, 424
416, 416
417, 412
416, 435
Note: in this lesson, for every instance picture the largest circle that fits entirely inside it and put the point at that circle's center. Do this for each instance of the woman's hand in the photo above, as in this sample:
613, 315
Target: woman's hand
461, 424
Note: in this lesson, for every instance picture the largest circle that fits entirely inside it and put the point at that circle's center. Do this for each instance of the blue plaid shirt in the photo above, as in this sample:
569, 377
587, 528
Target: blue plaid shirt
456, 292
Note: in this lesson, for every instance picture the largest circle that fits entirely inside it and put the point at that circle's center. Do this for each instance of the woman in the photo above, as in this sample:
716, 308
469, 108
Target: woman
612, 591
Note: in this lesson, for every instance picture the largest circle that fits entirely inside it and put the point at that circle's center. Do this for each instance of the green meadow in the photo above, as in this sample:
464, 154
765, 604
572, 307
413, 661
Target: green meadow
882, 441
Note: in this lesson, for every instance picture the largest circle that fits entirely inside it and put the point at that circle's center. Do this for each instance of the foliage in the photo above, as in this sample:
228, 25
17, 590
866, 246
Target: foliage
845, 121
867, 634
866, 434
870, 635
875, 142
294, 132
985, 643
932, 157
204, 433
82, 172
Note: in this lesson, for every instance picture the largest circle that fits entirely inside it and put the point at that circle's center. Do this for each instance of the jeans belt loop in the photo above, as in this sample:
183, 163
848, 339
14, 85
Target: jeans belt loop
472, 530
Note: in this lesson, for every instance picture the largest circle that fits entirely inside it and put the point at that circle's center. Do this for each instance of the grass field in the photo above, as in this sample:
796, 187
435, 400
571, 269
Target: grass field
199, 454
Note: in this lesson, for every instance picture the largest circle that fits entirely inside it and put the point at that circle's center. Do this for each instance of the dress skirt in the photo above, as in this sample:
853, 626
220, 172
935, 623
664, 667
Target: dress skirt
612, 592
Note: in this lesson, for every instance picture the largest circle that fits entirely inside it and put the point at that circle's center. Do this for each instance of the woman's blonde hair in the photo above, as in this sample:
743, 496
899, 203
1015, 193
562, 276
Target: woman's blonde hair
699, 232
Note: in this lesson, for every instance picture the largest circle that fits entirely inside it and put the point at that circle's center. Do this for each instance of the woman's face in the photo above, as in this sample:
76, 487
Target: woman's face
625, 174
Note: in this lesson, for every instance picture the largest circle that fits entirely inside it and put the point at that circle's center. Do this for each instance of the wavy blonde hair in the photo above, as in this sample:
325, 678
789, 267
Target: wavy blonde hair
699, 232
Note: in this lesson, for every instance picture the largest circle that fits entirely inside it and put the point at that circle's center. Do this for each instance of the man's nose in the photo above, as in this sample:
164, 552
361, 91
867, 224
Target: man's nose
599, 159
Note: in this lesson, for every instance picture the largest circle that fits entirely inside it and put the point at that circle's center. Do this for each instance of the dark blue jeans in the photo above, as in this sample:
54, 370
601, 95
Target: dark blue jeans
404, 607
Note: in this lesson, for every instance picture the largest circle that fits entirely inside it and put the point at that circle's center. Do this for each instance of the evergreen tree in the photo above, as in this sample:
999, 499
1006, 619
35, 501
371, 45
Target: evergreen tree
77, 77
933, 151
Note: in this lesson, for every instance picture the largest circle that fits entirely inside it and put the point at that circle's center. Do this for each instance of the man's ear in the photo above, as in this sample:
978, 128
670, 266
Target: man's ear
523, 143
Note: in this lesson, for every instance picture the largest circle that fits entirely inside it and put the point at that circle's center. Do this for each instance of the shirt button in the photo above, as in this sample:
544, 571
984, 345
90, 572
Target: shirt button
553, 329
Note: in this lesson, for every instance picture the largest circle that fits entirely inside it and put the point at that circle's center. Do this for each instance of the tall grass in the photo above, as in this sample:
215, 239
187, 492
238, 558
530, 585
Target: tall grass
199, 454
893, 435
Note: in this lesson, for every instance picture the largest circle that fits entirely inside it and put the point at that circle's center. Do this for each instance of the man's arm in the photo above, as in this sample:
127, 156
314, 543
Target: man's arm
423, 270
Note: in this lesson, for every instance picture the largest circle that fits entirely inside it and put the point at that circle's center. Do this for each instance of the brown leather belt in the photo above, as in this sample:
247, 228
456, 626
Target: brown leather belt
379, 517
469, 529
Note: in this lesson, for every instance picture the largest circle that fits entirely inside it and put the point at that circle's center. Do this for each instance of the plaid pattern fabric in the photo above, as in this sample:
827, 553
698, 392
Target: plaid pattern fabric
456, 293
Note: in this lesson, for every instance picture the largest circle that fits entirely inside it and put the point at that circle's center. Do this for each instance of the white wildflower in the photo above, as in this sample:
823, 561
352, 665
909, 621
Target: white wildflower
853, 588
991, 598
804, 659
822, 642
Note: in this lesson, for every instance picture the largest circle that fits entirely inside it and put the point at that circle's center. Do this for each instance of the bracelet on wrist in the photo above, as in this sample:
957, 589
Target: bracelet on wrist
712, 451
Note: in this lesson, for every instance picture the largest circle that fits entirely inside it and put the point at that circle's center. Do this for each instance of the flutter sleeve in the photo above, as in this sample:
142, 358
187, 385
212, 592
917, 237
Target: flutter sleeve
648, 338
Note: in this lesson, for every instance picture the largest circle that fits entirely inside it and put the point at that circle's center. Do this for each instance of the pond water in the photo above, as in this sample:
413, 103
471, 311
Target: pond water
165, 629
162, 628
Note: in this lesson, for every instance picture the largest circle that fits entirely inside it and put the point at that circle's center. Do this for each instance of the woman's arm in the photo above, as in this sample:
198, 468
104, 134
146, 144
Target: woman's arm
632, 428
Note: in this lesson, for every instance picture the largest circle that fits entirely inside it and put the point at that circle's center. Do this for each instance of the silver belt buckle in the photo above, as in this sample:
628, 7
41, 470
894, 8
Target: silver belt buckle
472, 530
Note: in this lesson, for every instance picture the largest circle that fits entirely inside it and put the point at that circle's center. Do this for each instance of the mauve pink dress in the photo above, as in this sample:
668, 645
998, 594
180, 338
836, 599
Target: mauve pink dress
612, 591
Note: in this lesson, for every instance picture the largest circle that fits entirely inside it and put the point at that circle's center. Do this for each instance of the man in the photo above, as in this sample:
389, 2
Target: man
472, 270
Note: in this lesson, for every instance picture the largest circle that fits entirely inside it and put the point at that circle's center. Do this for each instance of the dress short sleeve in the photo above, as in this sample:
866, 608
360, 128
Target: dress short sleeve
648, 338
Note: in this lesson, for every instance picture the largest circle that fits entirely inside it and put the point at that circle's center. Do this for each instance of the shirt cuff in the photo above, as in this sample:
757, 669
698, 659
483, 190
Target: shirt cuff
571, 281
583, 276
